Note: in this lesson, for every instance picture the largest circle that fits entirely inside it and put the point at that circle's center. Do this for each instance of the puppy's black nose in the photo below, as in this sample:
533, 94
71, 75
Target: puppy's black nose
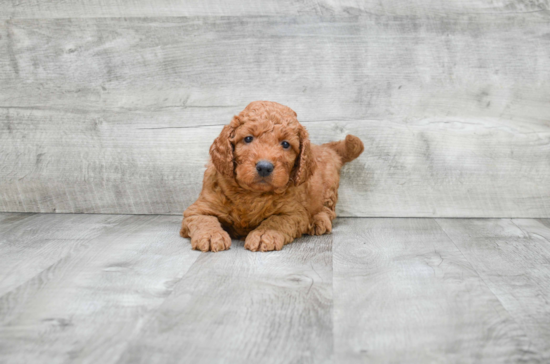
264, 168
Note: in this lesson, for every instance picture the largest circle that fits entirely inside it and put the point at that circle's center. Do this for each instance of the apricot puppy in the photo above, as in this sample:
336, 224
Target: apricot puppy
266, 182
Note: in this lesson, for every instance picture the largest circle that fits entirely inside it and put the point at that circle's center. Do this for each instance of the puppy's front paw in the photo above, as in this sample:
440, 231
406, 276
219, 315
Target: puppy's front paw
215, 241
264, 240
321, 224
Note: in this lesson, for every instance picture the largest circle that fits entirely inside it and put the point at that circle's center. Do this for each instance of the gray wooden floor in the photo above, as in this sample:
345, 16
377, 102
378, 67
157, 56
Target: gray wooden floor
120, 288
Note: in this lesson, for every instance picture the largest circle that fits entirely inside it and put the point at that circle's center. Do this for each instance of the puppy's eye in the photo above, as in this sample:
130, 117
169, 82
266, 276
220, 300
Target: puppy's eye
285, 144
248, 139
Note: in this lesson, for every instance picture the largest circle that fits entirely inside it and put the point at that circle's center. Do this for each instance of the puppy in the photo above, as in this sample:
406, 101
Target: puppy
266, 182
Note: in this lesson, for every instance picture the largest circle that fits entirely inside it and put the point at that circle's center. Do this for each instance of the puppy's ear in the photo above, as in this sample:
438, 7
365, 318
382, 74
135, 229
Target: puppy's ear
221, 152
305, 164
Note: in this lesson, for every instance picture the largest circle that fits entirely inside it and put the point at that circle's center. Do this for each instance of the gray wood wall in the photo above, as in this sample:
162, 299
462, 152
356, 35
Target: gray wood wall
110, 107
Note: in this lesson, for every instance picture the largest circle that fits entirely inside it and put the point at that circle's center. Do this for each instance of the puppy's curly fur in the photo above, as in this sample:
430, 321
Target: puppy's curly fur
298, 197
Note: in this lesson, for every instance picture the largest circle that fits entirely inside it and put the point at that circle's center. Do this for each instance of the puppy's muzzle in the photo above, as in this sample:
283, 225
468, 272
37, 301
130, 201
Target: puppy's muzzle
264, 168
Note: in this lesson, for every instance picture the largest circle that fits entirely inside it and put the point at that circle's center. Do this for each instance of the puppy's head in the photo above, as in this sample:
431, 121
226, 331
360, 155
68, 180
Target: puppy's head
264, 148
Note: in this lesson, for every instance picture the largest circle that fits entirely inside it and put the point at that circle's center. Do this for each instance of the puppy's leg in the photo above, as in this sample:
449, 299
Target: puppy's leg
322, 221
276, 231
206, 233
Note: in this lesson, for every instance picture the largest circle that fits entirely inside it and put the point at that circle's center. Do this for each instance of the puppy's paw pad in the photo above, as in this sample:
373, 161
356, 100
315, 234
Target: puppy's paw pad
214, 241
264, 240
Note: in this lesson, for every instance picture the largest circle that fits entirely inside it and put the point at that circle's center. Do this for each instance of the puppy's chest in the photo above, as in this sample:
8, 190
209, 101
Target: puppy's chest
249, 213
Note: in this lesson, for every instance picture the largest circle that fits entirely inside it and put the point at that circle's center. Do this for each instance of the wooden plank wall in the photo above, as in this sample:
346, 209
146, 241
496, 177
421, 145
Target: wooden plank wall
110, 107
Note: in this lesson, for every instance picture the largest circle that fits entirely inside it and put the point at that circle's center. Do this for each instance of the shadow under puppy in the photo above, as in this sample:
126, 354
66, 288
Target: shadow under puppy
267, 182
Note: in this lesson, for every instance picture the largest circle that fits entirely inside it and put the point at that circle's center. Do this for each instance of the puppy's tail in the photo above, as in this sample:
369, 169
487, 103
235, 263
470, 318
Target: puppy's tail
348, 149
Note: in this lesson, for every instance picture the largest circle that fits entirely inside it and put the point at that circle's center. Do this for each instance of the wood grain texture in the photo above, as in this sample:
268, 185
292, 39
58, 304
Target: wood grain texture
127, 295
122, 163
513, 258
31, 244
112, 115
403, 292
83, 306
365, 67
245, 307
140, 8
125, 289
